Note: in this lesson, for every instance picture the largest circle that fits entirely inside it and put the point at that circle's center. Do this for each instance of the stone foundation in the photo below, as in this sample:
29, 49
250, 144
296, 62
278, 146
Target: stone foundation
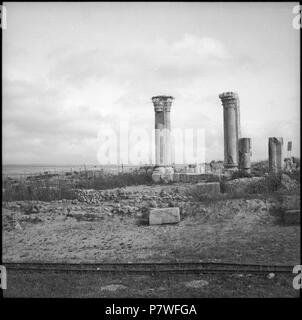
207, 188
162, 175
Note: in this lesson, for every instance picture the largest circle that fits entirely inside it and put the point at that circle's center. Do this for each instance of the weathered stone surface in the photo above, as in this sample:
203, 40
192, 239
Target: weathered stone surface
162, 174
183, 177
242, 185
176, 177
164, 215
163, 151
156, 177
207, 188
193, 177
231, 123
291, 216
275, 153
167, 178
244, 146
214, 167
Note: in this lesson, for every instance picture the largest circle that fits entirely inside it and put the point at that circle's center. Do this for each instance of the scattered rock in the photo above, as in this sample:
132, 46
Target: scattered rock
113, 287
30, 208
29, 218
18, 226
195, 284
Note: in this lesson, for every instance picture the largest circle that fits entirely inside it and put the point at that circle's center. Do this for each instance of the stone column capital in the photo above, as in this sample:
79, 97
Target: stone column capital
229, 99
162, 103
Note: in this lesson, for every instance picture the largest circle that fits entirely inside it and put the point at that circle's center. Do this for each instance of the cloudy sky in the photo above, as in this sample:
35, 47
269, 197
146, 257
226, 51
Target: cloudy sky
70, 69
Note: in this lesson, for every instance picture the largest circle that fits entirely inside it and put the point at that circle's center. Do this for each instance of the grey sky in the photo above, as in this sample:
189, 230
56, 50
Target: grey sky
69, 68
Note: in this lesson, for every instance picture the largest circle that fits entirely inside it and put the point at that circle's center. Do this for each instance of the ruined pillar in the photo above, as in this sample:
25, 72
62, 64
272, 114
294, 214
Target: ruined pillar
231, 124
275, 153
244, 147
163, 150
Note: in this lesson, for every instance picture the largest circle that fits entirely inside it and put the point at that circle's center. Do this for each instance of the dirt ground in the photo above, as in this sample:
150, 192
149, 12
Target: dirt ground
233, 230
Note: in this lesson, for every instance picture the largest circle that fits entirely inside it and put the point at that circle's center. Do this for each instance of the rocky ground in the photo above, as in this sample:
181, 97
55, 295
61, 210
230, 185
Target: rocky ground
111, 226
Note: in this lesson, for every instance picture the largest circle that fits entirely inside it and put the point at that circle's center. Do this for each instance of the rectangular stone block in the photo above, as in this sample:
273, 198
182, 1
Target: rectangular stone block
192, 177
207, 188
291, 217
164, 215
183, 177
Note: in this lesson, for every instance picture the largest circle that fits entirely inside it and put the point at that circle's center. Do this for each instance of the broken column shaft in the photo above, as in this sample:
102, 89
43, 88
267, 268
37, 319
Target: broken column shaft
244, 148
275, 156
231, 123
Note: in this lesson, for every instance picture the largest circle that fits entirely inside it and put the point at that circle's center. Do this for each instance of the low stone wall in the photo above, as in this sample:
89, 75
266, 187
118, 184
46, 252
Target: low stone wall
243, 185
196, 177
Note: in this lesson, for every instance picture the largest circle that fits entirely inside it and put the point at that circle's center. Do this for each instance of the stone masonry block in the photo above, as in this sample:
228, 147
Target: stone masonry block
164, 215
207, 188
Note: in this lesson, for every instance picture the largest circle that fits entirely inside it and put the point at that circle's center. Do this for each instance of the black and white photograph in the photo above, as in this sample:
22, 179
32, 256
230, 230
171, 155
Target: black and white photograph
150, 150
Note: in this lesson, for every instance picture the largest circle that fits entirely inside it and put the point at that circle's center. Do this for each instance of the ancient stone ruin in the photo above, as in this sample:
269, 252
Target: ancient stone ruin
275, 153
163, 152
244, 148
231, 129
237, 149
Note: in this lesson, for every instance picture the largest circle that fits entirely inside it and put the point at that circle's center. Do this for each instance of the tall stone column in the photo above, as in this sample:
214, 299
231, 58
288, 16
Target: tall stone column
163, 150
231, 124
244, 146
275, 154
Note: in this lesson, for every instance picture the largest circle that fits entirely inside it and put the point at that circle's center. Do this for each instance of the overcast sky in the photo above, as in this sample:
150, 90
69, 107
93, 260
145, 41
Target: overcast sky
70, 68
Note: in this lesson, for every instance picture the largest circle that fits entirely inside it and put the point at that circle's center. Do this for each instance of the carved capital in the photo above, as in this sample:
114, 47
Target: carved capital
162, 103
229, 99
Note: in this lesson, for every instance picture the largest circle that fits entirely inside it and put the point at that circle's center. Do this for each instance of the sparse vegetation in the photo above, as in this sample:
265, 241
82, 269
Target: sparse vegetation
109, 181
44, 188
50, 187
